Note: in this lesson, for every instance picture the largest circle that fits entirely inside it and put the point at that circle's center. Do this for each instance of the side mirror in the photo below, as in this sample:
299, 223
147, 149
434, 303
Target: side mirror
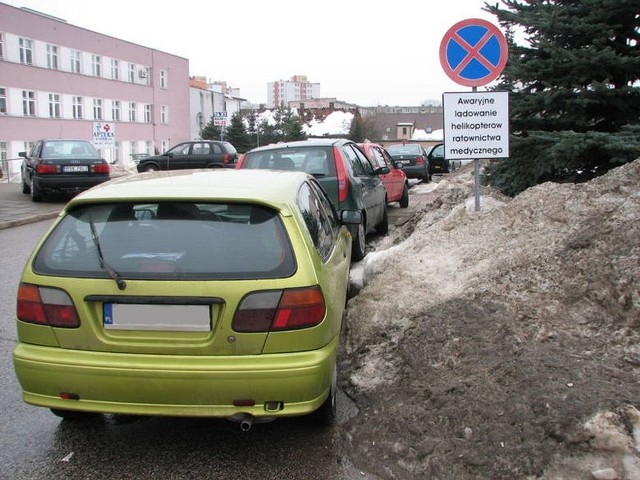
382, 171
350, 217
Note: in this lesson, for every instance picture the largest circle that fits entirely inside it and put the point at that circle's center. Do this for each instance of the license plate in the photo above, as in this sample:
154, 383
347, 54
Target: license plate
177, 318
75, 168
405, 162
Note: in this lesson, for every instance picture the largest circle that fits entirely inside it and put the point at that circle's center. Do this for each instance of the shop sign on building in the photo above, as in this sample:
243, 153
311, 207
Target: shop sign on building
104, 135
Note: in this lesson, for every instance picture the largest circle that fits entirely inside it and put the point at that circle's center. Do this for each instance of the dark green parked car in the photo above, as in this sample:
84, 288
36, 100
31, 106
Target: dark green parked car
344, 172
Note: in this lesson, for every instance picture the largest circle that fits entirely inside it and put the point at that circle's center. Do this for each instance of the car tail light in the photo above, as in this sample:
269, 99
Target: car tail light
46, 306
45, 168
240, 161
341, 172
225, 158
419, 161
100, 168
279, 310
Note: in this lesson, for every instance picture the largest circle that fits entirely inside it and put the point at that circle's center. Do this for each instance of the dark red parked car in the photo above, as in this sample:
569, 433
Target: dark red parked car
395, 181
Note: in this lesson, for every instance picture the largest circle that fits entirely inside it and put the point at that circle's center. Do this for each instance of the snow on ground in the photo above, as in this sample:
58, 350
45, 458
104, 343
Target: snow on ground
503, 343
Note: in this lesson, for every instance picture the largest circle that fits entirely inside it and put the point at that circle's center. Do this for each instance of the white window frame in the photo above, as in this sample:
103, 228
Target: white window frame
52, 57
25, 46
132, 73
28, 103
115, 69
96, 65
115, 110
3, 101
97, 109
54, 105
164, 114
164, 79
132, 112
147, 113
78, 107
76, 61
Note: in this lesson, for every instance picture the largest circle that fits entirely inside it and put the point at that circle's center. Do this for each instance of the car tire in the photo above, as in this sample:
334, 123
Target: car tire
36, 194
150, 168
359, 246
73, 415
327, 413
404, 200
25, 186
383, 227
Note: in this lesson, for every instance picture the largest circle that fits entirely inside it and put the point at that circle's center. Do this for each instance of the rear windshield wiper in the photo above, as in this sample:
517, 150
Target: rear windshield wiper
103, 263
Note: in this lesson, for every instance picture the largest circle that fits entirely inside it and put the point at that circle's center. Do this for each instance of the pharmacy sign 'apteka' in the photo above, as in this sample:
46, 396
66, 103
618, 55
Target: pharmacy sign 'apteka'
104, 135
476, 125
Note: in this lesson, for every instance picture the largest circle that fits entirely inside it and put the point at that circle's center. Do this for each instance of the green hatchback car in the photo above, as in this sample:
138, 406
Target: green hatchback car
188, 293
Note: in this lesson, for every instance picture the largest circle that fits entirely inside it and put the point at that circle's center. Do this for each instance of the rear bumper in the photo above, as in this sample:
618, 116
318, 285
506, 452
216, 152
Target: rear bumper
414, 171
71, 183
203, 386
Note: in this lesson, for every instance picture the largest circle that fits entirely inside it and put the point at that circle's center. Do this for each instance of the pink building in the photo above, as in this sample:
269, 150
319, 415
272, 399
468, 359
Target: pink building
59, 81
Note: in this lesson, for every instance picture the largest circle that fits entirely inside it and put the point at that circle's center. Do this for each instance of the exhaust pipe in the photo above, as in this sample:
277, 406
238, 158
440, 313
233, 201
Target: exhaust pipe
246, 423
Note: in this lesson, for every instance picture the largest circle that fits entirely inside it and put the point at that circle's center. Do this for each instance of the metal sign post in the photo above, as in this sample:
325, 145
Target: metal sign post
473, 52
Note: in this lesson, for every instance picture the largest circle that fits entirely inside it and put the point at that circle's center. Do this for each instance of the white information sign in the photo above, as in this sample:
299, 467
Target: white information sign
220, 118
476, 125
104, 135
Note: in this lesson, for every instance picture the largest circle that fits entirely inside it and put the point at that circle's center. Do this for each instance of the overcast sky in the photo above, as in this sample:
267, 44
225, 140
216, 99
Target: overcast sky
357, 52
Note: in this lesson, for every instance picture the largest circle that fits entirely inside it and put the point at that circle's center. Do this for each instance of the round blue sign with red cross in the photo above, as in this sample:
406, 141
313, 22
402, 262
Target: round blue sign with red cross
473, 52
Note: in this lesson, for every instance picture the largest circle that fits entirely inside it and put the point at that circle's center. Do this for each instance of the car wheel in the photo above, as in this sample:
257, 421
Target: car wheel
36, 194
326, 414
150, 168
404, 200
383, 227
72, 414
25, 186
359, 247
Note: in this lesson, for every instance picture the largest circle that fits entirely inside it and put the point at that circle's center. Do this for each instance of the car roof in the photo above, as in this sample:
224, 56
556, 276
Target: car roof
65, 140
311, 142
276, 189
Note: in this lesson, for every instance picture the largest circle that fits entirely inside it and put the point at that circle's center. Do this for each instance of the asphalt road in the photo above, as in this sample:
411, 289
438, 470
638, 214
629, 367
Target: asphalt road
38, 445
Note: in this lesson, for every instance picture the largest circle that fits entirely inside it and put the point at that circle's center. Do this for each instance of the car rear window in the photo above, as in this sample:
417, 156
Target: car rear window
404, 150
68, 148
231, 150
168, 240
318, 161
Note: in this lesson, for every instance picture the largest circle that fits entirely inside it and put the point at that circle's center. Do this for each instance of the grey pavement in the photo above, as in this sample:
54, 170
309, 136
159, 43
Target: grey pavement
16, 208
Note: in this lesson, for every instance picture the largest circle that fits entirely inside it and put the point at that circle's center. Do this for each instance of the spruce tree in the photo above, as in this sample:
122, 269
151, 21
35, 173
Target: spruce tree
237, 134
575, 99
210, 131
356, 129
288, 126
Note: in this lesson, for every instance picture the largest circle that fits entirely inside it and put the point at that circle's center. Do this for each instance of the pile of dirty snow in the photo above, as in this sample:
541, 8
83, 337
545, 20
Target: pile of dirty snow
503, 343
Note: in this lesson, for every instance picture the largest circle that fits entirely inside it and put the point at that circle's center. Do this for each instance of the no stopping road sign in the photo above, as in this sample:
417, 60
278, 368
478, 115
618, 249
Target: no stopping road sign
473, 52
